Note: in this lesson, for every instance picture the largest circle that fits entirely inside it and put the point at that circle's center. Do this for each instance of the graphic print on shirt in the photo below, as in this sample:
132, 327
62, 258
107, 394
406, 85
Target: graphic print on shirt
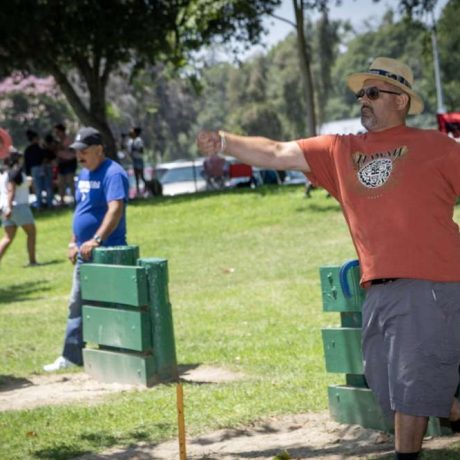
84, 186
375, 170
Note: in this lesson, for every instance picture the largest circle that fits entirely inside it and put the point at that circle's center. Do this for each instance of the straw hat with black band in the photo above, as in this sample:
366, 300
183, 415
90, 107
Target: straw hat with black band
391, 71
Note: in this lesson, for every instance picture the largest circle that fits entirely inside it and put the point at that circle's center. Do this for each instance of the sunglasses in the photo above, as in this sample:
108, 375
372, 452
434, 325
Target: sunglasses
373, 93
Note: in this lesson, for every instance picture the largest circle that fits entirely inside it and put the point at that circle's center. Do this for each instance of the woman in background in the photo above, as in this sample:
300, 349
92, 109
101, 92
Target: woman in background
14, 206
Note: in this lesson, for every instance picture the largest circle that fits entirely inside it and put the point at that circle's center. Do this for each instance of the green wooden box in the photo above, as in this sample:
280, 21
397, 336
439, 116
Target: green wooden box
115, 367
117, 328
342, 350
340, 288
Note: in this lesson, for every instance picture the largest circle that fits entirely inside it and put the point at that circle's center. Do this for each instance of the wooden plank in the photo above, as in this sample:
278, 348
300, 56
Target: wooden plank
342, 350
114, 284
115, 367
117, 328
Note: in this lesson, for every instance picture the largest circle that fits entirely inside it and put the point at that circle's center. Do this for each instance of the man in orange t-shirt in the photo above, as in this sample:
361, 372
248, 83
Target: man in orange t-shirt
397, 187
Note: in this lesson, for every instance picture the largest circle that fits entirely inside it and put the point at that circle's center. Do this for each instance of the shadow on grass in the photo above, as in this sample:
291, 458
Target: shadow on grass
50, 262
315, 207
24, 291
47, 214
104, 440
10, 382
62, 452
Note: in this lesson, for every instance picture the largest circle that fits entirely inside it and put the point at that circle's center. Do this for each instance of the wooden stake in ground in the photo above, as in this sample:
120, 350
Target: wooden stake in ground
180, 421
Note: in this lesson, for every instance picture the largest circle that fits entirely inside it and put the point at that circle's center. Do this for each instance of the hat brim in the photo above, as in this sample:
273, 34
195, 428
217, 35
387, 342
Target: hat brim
356, 81
78, 146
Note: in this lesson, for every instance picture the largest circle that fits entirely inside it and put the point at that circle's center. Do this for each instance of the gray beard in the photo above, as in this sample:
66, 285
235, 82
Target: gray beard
368, 119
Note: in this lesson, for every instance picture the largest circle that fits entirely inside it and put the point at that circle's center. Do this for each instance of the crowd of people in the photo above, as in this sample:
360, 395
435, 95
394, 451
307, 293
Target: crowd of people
52, 165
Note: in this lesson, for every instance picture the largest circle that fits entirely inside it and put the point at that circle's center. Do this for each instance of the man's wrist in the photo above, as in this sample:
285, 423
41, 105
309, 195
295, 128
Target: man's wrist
72, 245
97, 239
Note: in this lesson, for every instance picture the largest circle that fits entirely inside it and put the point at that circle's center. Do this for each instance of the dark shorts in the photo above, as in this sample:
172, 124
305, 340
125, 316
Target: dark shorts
67, 167
411, 345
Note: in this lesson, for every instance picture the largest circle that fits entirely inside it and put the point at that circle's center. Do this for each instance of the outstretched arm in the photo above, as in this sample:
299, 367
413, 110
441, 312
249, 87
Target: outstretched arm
255, 151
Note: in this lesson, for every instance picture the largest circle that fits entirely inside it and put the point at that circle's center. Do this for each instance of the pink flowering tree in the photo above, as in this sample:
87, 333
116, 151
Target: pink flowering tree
31, 102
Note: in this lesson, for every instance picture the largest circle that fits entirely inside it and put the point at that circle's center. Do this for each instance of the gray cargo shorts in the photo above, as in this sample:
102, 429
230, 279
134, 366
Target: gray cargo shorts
411, 345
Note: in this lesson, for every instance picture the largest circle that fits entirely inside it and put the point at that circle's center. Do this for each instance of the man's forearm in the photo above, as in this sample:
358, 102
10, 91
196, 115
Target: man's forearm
255, 151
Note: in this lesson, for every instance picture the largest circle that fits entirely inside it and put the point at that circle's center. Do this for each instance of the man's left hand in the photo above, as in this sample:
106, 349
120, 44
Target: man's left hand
87, 248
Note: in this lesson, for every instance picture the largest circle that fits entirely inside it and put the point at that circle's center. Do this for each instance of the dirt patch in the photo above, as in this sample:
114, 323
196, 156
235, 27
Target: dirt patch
210, 374
55, 389
47, 390
301, 436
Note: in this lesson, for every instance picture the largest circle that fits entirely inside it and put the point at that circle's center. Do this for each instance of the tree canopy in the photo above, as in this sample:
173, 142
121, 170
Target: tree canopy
82, 43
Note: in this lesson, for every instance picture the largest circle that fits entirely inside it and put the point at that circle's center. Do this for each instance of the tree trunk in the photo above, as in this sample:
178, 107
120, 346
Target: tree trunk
96, 115
304, 60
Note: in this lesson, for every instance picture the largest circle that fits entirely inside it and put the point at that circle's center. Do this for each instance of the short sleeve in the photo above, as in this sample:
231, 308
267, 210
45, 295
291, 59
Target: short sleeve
318, 152
116, 187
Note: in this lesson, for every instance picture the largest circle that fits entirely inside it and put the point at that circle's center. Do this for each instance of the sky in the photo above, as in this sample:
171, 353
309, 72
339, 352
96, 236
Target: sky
356, 11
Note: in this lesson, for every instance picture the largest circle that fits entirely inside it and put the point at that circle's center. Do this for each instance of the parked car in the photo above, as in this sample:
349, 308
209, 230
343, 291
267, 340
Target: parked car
295, 178
181, 176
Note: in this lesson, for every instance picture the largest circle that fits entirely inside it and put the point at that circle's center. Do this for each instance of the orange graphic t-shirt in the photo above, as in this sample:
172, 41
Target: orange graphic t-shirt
397, 189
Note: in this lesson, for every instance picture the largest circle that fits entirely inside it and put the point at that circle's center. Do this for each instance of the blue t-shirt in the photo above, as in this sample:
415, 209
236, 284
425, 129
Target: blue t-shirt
94, 190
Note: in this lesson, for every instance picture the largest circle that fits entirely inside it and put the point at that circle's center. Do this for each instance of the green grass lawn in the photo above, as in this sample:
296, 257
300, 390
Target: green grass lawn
263, 318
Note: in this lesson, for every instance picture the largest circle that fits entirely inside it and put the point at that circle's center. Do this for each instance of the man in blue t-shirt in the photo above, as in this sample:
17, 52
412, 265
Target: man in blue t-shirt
99, 220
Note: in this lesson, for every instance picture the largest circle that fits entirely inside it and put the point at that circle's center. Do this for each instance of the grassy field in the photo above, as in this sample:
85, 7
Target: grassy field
262, 318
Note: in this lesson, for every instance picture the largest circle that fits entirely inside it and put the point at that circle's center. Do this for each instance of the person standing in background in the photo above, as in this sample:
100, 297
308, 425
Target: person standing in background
66, 162
37, 165
136, 152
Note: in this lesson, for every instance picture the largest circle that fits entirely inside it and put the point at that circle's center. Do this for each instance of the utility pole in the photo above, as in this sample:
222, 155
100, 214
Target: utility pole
437, 70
